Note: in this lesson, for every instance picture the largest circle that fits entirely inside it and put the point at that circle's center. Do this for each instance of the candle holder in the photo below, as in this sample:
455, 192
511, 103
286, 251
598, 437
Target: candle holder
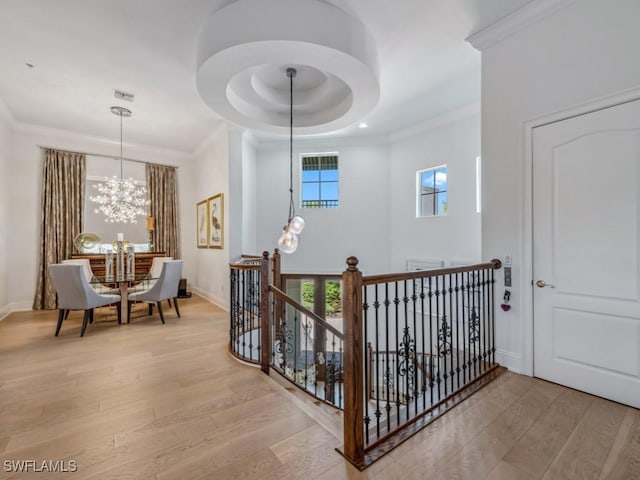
120, 261
108, 266
131, 263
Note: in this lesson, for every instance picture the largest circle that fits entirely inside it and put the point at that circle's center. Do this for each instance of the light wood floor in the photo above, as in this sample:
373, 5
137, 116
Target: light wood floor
152, 401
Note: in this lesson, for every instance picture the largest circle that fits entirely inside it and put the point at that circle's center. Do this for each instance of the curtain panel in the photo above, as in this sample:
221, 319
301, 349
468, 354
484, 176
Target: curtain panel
163, 195
63, 184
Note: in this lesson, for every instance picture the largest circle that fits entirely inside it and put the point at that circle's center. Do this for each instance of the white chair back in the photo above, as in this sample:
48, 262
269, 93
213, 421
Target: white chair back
166, 286
156, 266
169, 279
86, 266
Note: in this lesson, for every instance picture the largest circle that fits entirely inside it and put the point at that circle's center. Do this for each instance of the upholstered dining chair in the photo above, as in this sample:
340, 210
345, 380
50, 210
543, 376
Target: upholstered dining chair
156, 270
156, 266
86, 266
166, 287
74, 293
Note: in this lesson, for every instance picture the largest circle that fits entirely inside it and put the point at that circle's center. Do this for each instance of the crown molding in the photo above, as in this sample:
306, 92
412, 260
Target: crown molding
68, 139
436, 122
322, 142
514, 22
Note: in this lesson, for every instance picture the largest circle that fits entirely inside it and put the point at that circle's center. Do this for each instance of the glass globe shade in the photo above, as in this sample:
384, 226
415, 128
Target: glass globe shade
288, 242
296, 225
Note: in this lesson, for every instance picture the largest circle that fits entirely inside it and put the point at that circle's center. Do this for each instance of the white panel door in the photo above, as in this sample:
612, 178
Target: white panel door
585, 248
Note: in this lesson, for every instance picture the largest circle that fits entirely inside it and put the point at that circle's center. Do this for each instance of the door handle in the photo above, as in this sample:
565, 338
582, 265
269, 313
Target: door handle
542, 284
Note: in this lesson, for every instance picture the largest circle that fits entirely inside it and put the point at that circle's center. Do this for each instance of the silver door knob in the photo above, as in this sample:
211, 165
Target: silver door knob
542, 284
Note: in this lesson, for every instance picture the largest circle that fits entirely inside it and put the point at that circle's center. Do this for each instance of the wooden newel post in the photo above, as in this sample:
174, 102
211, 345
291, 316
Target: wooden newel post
353, 363
277, 279
265, 320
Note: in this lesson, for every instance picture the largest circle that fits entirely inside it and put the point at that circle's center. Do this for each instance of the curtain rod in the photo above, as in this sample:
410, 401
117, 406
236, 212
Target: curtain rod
42, 147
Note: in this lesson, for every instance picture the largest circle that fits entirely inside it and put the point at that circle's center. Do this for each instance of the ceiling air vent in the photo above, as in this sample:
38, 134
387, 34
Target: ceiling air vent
124, 96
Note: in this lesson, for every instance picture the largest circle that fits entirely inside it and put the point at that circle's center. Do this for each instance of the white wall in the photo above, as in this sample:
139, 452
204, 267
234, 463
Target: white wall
360, 226
5, 152
455, 237
242, 194
582, 52
211, 173
23, 192
249, 205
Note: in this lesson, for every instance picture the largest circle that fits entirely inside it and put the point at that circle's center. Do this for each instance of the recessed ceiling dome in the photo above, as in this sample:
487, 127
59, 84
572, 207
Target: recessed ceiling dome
245, 50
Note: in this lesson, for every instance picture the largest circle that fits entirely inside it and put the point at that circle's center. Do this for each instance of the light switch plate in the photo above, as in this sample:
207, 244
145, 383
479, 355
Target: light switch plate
507, 276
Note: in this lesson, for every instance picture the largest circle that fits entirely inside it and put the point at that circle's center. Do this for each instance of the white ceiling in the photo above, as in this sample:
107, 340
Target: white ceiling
84, 49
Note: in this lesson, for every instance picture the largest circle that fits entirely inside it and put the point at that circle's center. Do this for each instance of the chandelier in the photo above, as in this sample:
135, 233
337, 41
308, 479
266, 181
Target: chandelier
121, 201
288, 241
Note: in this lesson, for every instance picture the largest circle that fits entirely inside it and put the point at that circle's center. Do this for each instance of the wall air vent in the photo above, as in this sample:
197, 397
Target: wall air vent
124, 96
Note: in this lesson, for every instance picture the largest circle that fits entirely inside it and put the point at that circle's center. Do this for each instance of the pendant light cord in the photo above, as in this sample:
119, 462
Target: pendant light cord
121, 162
292, 209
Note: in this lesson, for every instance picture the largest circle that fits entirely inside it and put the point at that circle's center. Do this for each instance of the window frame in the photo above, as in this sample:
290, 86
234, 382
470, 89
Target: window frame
419, 194
320, 181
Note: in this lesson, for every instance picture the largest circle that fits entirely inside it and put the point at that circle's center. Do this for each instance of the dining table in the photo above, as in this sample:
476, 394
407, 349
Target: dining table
123, 285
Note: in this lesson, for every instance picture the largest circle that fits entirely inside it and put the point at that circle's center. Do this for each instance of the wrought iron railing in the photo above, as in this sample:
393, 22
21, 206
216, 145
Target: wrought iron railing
275, 330
319, 204
244, 328
393, 351
419, 339
306, 349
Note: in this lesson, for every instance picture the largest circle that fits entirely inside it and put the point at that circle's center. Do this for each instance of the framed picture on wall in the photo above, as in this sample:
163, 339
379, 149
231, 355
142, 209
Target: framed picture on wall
215, 211
202, 224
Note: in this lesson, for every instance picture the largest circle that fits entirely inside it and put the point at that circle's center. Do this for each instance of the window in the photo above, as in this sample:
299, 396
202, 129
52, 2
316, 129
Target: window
319, 181
432, 192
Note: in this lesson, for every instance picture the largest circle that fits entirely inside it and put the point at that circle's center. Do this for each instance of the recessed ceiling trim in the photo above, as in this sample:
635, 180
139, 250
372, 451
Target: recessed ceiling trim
241, 72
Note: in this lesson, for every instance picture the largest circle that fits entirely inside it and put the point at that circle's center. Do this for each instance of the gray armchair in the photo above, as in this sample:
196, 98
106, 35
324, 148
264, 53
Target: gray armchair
166, 287
74, 293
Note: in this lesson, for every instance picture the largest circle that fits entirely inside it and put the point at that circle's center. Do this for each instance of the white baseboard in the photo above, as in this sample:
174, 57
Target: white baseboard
510, 360
216, 300
20, 306
14, 307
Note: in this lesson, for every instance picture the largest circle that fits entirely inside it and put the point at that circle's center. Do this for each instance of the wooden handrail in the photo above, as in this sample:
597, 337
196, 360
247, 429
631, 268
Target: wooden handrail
287, 299
395, 277
310, 276
246, 262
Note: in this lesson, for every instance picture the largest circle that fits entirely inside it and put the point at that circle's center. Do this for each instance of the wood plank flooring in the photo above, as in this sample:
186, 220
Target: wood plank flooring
153, 401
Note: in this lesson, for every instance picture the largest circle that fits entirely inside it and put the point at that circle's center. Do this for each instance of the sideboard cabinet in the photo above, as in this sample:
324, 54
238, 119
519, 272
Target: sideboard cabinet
143, 261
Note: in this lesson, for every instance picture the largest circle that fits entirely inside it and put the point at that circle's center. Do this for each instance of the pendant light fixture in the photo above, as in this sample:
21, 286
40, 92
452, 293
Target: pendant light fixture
120, 200
288, 241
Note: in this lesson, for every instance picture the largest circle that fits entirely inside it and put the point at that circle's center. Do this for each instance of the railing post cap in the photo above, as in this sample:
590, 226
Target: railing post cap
497, 263
265, 255
352, 263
